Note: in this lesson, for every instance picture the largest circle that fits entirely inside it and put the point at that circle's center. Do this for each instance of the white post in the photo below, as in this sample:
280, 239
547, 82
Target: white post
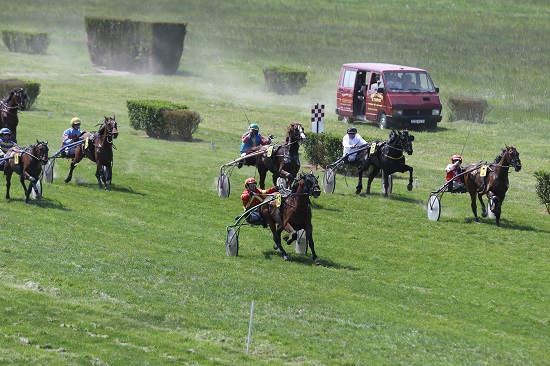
250, 328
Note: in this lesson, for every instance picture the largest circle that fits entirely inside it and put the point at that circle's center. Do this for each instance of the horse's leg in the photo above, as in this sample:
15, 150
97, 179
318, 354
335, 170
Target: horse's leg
372, 175
99, 175
309, 237
277, 240
410, 185
385, 184
262, 173
8, 182
78, 155
359, 187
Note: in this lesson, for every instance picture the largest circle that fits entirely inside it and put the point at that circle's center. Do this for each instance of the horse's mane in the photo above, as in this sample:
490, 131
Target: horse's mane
289, 130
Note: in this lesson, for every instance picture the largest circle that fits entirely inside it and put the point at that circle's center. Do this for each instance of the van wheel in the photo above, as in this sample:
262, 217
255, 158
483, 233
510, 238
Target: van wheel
382, 121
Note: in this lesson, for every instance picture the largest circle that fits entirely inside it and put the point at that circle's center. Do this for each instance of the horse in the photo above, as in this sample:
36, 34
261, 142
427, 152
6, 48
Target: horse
293, 214
99, 149
283, 160
17, 100
387, 156
491, 180
27, 162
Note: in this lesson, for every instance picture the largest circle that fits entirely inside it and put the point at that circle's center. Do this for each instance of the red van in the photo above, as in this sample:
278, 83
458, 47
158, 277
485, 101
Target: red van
390, 95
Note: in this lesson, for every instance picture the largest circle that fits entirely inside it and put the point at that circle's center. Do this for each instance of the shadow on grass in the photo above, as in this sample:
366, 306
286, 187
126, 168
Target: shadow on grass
42, 202
306, 259
112, 188
504, 224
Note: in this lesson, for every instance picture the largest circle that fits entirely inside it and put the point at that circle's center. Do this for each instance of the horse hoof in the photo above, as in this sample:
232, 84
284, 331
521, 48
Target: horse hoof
484, 214
410, 187
477, 219
275, 246
286, 257
317, 262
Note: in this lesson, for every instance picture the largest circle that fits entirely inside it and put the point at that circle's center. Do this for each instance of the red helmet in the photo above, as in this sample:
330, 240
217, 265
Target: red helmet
455, 158
249, 181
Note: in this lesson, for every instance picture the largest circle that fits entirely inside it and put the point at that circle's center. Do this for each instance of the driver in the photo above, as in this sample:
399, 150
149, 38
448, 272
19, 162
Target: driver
71, 135
250, 140
351, 142
253, 196
6, 143
454, 171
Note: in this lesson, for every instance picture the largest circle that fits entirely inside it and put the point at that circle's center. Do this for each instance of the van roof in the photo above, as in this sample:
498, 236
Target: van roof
380, 67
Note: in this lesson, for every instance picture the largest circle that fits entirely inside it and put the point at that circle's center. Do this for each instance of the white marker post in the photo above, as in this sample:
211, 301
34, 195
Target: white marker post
318, 118
250, 328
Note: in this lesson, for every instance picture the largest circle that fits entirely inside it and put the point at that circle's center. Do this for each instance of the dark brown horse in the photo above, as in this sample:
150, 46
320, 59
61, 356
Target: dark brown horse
491, 180
387, 156
17, 100
27, 162
98, 147
294, 213
283, 160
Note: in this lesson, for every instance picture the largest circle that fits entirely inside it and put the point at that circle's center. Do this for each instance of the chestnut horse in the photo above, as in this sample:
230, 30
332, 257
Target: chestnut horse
294, 213
387, 156
491, 180
27, 162
99, 149
283, 161
17, 100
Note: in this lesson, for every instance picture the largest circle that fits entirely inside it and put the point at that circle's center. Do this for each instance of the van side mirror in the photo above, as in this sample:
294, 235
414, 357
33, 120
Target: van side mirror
437, 90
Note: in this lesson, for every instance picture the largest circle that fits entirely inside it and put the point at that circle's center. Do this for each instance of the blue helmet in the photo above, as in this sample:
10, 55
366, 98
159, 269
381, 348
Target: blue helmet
5, 130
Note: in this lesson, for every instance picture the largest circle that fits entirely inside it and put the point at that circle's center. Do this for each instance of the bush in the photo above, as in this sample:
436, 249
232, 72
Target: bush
26, 42
469, 109
31, 88
322, 148
148, 115
543, 187
182, 124
283, 80
136, 46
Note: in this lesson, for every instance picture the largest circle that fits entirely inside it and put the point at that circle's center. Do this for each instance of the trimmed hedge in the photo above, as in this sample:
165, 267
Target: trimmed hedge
26, 42
182, 124
543, 187
31, 88
283, 80
323, 148
468, 109
157, 119
136, 46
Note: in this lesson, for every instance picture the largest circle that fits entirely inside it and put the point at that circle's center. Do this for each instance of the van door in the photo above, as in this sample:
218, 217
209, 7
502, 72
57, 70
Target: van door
374, 99
344, 94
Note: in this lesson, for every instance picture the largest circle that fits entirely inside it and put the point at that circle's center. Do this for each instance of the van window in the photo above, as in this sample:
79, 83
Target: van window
409, 81
349, 78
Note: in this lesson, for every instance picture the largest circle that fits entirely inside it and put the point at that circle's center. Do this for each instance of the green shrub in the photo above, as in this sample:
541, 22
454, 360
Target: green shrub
468, 109
182, 124
26, 42
31, 88
322, 148
136, 46
543, 187
283, 80
148, 115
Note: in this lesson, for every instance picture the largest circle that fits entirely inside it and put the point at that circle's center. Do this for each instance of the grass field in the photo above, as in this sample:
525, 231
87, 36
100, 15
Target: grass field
139, 275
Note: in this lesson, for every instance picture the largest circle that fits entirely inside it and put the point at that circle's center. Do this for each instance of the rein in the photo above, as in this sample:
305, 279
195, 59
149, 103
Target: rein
395, 148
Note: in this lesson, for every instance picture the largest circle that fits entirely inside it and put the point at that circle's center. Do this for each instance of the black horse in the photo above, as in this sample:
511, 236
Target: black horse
27, 162
17, 100
294, 213
283, 160
491, 180
99, 149
387, 156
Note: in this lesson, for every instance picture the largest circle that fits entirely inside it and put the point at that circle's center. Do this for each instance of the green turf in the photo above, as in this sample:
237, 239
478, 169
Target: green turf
139, 275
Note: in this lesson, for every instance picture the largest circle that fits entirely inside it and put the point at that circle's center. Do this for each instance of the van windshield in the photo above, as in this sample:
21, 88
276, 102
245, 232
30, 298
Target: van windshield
410, 81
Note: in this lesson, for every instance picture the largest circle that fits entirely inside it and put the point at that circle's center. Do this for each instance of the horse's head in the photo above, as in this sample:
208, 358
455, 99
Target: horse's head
309, 185
514, 157
296, 134
41, 151
20, 98
405, 140
109, 127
